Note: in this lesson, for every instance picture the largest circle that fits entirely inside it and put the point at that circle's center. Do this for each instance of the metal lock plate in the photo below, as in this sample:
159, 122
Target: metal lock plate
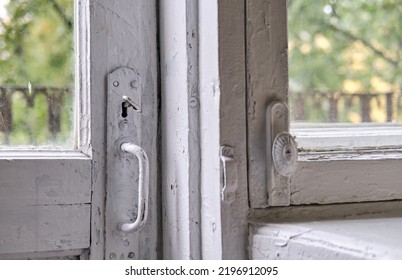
281, 154
124, 120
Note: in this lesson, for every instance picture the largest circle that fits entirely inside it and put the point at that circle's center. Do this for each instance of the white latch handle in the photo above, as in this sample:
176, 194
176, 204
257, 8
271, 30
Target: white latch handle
143, 188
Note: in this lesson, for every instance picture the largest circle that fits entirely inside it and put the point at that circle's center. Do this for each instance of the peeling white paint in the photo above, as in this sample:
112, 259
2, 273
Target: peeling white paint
126, 37
180, 130
366, 237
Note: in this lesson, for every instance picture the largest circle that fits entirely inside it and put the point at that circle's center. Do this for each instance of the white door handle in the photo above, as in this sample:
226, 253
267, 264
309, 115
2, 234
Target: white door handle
143, 188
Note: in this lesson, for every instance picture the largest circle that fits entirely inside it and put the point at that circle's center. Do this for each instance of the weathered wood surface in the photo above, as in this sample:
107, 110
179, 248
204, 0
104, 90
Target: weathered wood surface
44, 203
38, 228
180, 129
45, 181
267, 77
347, 177
75, 254
209, 87
232, 60
374, 236
126, 37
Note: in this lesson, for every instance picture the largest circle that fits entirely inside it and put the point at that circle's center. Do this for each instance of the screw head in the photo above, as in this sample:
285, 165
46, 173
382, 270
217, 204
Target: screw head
115, 83
227, 151
131, 255
134, 84
123, 125
193, 102
278, 113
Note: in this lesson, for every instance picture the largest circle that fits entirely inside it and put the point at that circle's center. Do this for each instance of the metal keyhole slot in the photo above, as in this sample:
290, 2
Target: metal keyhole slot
124, 107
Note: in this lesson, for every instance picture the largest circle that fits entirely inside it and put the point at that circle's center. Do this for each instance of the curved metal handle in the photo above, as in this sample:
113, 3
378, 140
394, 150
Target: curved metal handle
143, 188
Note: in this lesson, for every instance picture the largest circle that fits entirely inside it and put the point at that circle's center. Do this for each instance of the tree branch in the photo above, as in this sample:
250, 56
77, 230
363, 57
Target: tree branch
364, 41
60, 12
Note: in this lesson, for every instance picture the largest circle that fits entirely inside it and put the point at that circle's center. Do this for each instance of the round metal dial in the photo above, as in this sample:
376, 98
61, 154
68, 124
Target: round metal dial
284, 154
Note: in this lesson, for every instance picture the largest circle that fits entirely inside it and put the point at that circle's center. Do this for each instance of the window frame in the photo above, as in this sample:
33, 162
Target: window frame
322, 177
50, 168
107, 31
205, 109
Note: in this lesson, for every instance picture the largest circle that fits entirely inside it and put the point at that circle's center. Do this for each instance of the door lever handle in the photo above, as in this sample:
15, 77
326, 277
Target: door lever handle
143, 188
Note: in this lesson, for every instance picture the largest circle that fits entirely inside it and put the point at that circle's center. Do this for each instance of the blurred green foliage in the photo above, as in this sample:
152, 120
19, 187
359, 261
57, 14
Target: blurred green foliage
334, 45
36, 49
345, 46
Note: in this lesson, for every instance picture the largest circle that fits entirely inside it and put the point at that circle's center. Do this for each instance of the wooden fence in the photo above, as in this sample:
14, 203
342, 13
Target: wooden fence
54, 96
389, 103
331, 105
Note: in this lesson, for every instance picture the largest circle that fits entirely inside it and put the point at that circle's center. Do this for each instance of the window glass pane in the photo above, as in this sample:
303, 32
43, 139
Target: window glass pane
36, 73
345, 61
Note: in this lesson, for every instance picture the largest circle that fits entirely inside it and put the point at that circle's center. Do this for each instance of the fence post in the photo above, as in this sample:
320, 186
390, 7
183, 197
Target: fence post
333, 108
300, 108
390, 106
54, 112
6, 116
365, 107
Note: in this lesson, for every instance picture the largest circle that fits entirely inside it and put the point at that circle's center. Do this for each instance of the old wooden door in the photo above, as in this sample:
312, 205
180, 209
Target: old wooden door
53, 202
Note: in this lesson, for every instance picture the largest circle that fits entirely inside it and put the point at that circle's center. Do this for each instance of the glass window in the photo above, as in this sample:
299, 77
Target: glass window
344, 61
36, 73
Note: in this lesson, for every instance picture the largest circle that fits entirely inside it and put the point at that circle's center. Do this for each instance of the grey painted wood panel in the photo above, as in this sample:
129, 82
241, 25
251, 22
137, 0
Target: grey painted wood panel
318, 212
123, 34
267, 78
44, 228
75, 254
349, 180
45, 181
232, 56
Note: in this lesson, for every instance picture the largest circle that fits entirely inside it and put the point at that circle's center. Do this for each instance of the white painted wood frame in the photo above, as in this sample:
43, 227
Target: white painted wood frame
366, 230
203, 109
217, 59
46, 195
323, 176
53, 202
369, 174
180, 103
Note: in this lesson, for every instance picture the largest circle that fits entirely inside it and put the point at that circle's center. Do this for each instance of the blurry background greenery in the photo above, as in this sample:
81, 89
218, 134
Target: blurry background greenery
336, 47
348, 47
36, 50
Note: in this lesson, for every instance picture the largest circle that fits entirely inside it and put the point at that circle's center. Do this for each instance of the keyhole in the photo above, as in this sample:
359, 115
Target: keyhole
124, 109
287, 152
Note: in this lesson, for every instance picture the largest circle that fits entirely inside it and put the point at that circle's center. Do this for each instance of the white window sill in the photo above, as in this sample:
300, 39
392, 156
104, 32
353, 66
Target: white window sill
367, 237
330, 137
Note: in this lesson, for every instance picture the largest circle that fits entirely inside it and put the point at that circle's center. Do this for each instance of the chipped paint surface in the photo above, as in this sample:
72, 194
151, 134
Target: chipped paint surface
41, 228
210, 95
267, 82
365, 237
46, 201
180, 130
126, 37
232, 126
52, 182
343, 179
